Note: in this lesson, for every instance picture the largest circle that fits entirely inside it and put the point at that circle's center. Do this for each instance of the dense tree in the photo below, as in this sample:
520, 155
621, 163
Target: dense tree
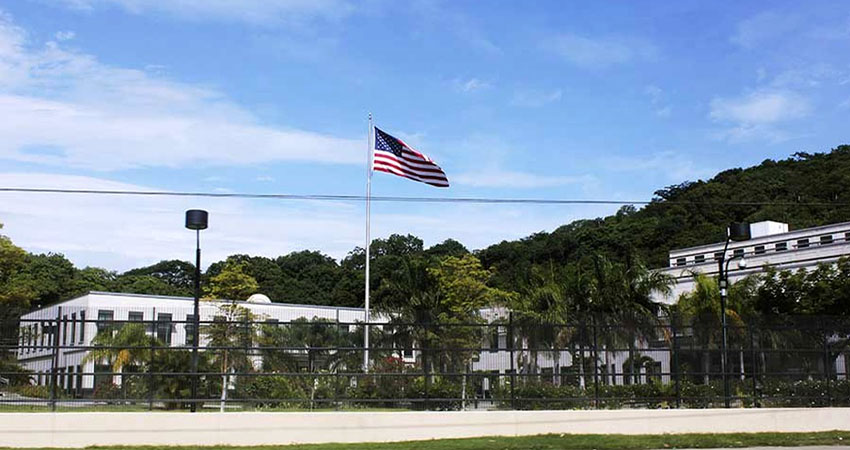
232, 283
180, 275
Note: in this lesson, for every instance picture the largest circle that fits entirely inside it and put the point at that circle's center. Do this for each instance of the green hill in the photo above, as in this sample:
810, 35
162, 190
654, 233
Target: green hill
693, 213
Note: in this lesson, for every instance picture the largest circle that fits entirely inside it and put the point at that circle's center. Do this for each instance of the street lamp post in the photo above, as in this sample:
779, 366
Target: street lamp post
737, 231
196, 219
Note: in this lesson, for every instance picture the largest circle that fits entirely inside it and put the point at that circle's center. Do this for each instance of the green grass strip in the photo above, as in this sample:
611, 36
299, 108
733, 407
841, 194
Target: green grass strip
568, 441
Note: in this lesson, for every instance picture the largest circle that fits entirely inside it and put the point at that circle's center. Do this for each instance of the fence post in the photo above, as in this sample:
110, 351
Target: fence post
755, 367
826, 371
674, 357
425, 367
513, 365
151, 362
595, 365
54, 361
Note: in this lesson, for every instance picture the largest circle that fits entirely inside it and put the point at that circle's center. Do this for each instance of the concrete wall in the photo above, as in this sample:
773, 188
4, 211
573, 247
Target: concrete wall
84, 429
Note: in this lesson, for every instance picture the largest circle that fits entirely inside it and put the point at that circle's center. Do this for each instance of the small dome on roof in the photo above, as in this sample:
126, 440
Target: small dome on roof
258, 298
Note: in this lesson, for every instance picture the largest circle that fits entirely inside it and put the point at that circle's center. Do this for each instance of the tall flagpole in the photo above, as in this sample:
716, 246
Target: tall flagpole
369, 155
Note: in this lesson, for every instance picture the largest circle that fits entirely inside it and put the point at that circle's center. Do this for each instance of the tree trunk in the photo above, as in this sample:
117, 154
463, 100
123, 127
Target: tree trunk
706, 366
223, 384
556, 371
613, 378
741, 360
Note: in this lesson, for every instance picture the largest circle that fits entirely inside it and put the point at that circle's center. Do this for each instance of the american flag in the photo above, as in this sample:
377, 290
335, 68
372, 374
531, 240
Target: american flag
393, 156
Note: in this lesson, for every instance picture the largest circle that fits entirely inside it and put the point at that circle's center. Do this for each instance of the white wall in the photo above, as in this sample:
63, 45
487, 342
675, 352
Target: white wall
130, 429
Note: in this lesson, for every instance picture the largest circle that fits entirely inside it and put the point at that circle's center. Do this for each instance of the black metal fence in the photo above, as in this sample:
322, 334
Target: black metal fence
73, 361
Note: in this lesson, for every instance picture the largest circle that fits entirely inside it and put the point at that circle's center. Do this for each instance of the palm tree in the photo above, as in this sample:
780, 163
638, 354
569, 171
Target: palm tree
701, 307
542, 311
127, 345
622, 301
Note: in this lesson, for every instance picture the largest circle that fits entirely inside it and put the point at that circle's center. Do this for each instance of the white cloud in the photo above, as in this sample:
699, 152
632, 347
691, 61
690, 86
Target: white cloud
470, 85
754, 116
656, 98
64, 35
121, 232
673, 165
95, 116
602, 52
261, 12
760, 107
533, 98
763, 27
513, 179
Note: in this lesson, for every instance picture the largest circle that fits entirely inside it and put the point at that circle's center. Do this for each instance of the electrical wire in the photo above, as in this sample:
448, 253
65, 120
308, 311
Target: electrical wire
376, 198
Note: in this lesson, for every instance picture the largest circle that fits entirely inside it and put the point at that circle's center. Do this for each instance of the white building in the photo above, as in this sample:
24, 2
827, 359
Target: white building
80, 319
771, 244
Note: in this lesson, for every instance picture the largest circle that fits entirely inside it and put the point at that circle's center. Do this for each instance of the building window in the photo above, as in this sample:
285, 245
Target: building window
494, 339
847, 236
64, 330
699, 259
826, 239
73, 328
82, 326
738, 252
189, 327
681, 261
759, 250
104, 319
802, 243
136, 316
780, 246
718, 256
163, 328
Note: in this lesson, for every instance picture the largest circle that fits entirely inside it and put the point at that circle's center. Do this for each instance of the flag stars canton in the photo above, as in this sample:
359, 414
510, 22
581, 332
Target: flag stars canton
387, 143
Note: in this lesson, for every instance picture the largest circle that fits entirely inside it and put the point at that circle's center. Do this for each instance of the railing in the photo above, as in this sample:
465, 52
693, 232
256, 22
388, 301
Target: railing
56, 363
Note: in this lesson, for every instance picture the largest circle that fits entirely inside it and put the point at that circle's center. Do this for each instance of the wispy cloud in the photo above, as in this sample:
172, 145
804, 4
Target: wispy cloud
763, 27
535, 98
470, 85
753, 116
600, 52
760, 107
64, 35
260, 12
520, 180
150, 229
658, 100
673, 165
103, 117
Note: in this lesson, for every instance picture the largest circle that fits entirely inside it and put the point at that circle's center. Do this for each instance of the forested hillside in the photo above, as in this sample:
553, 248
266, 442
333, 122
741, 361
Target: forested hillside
687, 214
692, 213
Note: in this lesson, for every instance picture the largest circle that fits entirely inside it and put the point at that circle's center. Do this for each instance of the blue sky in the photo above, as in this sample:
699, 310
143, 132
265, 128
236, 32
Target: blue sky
513, 99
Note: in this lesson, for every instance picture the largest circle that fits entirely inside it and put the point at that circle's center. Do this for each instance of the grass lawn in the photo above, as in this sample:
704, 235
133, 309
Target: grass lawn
576, 441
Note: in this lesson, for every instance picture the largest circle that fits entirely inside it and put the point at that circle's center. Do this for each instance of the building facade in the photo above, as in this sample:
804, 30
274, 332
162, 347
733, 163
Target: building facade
770, 244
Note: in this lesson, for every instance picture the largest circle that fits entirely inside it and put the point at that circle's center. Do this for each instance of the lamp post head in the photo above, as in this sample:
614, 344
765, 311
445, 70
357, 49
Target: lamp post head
196, 219
742, 264
739, 231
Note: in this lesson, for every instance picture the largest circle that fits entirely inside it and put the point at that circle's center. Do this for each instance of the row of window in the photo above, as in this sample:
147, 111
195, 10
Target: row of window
826, 239
41, 335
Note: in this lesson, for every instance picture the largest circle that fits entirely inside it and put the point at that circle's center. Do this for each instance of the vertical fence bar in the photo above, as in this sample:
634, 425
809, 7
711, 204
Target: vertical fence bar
425, 369
510, 343
151, 362
595, 365
755, 367
826, 371
674, 359
54, 360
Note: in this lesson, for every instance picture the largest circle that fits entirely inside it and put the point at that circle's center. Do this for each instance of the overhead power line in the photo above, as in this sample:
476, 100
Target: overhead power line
359, 198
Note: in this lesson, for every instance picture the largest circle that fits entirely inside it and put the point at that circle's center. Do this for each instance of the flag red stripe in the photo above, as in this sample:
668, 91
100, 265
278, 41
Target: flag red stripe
414, 178
424, 176
410, 166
